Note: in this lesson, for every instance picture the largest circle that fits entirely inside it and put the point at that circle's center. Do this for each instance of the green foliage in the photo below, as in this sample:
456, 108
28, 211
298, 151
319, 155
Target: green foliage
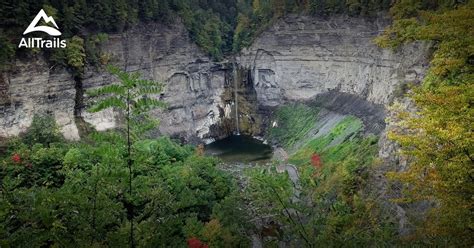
43, 130
177, 196
329, 205
37, 165
219, 27
75, 53
438, 137
75, 195
233, 216
168, 185
78, 53
7, 51
207, 30
339, 136
93, 52
270, 192
210, 24
133, 96
294, 122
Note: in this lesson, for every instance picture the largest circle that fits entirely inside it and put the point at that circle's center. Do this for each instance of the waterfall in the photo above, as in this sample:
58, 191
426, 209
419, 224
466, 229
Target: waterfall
236, 100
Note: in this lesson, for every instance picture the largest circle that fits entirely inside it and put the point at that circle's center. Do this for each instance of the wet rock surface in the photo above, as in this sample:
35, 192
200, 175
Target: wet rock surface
371, 114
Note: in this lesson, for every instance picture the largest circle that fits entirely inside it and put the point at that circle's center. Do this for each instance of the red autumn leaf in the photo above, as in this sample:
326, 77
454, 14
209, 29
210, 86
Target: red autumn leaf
16, 158
196, 243
316, 160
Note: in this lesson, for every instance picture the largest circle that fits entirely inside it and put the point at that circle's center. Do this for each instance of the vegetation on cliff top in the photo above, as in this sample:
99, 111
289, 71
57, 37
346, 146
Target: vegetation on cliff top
438, 138
218, 26
209, 22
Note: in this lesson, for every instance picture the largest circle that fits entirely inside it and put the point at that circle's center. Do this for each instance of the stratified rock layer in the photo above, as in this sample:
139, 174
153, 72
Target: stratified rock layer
332, 63
31, 87
296, 59
300, 57
192, 83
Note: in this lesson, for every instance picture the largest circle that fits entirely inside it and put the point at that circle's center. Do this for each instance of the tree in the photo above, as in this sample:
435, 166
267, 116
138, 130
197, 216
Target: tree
72, 20
440, 142
134, 97
75, 53
438, 137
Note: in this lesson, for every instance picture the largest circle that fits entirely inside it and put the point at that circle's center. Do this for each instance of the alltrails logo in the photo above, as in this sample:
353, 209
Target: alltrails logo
40, 42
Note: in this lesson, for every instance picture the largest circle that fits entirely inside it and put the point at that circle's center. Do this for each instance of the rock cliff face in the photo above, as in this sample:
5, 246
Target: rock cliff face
332, 63
33, 87
300, 57
193, 83
296, 59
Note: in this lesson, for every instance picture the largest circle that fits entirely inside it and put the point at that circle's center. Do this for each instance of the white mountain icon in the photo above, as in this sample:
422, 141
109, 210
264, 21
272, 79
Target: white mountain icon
49, 30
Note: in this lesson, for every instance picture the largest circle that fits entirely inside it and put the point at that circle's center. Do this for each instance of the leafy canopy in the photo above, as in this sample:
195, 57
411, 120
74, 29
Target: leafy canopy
438, 137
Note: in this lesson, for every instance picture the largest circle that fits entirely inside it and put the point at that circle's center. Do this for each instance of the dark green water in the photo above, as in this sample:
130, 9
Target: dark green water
240, 148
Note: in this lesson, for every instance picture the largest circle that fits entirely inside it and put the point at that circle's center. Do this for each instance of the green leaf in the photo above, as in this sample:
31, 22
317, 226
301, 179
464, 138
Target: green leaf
145, 104
108, 89
109, 102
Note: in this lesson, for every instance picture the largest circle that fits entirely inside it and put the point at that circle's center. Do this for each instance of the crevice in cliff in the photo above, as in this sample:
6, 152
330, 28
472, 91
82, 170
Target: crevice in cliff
4, 96
82, 126
249, 119
236, 98
79, 98
225, 126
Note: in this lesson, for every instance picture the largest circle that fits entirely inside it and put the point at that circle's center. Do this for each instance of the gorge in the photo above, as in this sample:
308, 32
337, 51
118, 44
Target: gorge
237, 123
327, 67
297, 59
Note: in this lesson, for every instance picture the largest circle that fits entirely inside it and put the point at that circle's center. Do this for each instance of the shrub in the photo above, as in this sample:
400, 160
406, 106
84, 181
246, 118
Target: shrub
43, 130
316, 160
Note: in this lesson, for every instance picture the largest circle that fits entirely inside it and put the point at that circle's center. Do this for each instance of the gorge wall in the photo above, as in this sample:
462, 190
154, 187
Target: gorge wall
193, 83
296, 59
162, 53
330, 62
300, 57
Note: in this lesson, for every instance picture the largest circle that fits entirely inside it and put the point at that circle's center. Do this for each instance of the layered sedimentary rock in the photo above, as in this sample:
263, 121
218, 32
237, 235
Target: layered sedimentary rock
298, 58
31, 87
330, 62
192, 83
334, 64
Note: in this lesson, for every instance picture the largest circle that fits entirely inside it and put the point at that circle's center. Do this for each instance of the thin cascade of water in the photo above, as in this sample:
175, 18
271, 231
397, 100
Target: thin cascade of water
235, 100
